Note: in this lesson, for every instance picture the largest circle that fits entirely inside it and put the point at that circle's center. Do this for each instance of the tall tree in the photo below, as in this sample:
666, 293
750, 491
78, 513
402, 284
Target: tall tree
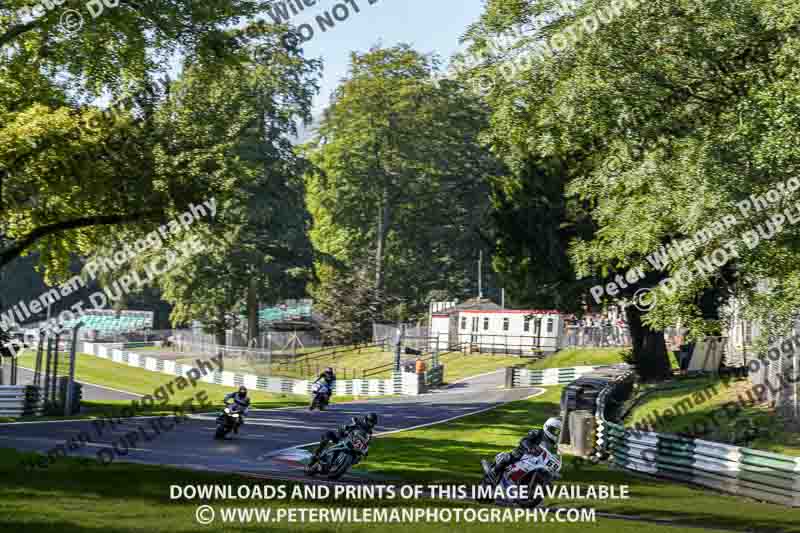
653, 148
399, 172
68, 171
233, 127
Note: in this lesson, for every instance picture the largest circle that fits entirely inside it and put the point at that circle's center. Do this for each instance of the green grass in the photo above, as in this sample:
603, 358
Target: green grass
140, 381
458, 365
75, 497
580, 357
701, 401
452, 452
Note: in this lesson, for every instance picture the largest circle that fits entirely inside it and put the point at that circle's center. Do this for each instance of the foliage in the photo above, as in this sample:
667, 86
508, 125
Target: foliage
399, 173
69, 173
653, 148
236, 125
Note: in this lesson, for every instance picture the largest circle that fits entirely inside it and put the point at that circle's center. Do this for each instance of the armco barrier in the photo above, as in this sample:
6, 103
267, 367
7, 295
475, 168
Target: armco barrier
524, 377
399, 383
20, 400
742, 471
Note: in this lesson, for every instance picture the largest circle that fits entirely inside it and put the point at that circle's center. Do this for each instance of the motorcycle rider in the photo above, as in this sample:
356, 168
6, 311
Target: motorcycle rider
546, 437
328, 376
242, 405
363, 423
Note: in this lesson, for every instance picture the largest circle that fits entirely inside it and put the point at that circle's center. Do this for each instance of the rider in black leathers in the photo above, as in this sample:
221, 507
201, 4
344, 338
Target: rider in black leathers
547, 436
364, 423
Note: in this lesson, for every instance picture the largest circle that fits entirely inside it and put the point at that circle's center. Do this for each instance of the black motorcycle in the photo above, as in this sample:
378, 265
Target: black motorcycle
336, 459
226, 422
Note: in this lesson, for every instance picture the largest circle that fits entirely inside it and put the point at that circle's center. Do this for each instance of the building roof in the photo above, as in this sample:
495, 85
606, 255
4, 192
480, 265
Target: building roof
478, 305
473, 304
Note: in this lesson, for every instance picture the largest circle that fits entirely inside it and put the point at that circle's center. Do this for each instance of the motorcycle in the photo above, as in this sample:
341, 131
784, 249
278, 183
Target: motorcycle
337, 458
321, 395
537, 468
226, 422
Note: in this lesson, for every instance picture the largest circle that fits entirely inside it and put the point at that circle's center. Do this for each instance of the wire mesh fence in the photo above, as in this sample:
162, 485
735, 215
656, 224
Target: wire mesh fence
595, 336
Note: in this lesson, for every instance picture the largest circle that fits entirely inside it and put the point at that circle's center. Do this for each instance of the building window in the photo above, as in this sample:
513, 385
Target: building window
505, 324
526, 326
463, 322
486, 323
549, 325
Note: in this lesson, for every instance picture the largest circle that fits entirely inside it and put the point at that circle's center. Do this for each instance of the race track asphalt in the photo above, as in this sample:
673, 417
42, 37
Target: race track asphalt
266, 435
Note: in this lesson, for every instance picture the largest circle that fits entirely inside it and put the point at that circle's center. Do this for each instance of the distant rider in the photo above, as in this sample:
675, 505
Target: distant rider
242, 403
363, 423
546, 437
328, 376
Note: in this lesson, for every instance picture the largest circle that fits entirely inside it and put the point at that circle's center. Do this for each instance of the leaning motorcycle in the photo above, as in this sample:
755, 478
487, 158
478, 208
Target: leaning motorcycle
336, 459
538, 468
320, 396
226, 422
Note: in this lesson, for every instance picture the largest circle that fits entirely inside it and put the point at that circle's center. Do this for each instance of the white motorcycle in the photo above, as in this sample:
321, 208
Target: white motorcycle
321, 395
538, 468
226, 421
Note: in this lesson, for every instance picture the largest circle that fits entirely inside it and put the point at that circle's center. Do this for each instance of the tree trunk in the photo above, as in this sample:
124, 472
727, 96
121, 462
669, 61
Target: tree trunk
252, 313
649, 349
383, 230
221, 328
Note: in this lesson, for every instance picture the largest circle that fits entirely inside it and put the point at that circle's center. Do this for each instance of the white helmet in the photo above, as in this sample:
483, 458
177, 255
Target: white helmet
552, 429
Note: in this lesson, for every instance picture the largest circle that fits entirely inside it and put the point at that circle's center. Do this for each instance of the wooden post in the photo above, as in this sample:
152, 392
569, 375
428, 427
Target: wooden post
71, 379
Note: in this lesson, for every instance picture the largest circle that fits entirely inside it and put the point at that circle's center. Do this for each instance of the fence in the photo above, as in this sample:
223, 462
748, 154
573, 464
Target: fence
398, 383
20, 400
523, 377
416, 335
742, 471
595, 336
780, 379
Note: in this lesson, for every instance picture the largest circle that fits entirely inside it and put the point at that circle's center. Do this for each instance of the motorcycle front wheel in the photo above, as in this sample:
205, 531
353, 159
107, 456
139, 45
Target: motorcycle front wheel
538, 479
485, 483
312, 469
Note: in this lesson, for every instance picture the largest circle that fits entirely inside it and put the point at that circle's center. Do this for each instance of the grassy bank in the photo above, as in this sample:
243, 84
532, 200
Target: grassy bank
699, 403
458, 365
581, 357
120, 376
451, 452
69, 497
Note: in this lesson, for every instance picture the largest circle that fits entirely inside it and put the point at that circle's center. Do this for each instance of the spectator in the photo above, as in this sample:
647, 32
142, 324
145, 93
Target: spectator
420, 366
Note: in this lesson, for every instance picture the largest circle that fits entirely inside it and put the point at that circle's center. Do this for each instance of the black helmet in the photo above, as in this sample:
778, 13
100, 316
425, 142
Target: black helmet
243, 390
371, 419
329, 370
